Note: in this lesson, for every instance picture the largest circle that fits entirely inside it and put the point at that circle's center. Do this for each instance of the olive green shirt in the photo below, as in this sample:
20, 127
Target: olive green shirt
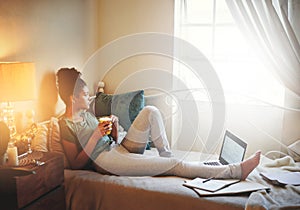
79, 133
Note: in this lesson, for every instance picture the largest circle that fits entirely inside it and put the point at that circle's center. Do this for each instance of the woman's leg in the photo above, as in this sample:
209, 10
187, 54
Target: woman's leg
119, 161
148, 122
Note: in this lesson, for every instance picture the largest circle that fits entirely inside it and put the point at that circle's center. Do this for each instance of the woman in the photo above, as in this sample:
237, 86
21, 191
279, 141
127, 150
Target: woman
86, 144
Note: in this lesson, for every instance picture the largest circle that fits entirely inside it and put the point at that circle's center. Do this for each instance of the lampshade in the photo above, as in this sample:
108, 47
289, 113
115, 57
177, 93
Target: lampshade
17, 81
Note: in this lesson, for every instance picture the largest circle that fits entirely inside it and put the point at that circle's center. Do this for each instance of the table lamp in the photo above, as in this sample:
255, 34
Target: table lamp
17, 83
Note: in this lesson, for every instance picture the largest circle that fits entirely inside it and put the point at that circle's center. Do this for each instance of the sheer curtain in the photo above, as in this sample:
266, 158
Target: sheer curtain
252, 94
270, 26
266, 24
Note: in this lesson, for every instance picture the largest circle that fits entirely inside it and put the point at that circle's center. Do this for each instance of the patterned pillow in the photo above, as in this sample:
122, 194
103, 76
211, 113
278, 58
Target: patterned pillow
54, 143
39, 142
126, 106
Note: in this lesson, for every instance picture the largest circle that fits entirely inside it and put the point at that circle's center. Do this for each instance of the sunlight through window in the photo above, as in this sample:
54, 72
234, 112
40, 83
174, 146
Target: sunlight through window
209, 26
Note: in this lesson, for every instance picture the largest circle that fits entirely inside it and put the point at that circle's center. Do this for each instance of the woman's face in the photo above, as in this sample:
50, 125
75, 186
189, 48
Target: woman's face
82, 99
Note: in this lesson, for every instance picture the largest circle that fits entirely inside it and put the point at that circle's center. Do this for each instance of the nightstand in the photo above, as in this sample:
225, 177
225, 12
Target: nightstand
33, 186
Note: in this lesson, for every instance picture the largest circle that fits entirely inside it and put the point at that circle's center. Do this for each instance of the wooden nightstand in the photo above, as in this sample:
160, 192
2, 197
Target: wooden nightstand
33, 187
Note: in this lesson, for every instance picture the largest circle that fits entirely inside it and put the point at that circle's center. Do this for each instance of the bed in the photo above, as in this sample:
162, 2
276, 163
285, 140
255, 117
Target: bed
91, 190
94, 191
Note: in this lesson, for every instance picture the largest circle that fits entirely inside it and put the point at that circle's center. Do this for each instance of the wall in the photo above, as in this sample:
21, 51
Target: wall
52, 34
66, 33
117, 19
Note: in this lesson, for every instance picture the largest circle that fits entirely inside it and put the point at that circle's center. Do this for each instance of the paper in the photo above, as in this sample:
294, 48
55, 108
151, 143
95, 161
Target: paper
211, 185
282, 178
239, 187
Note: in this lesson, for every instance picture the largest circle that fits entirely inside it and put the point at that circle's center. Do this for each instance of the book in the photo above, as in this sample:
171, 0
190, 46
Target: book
282, 178
223, 186
210, 185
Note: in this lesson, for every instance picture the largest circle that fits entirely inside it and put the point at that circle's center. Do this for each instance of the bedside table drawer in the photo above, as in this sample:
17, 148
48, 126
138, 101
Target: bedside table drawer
54, 200
20, 191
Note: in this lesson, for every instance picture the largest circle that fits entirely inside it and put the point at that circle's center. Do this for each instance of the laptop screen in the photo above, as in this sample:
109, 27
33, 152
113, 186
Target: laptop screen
233, 149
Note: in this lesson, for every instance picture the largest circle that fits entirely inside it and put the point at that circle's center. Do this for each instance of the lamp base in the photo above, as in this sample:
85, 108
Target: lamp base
8, 117
4, 139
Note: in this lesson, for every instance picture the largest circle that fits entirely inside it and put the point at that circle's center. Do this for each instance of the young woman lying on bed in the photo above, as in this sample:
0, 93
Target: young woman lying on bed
86, 144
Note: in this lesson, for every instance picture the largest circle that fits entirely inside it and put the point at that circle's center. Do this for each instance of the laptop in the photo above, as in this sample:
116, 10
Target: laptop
232, 151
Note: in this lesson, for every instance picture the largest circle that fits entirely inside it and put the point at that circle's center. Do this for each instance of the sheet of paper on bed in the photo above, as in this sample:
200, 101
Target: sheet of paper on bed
282, 178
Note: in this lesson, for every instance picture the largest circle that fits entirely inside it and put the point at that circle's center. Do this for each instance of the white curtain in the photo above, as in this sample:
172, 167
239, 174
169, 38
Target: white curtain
267, 26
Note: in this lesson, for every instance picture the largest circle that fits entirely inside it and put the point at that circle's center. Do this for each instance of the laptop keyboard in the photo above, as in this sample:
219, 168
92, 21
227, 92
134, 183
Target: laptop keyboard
212, 163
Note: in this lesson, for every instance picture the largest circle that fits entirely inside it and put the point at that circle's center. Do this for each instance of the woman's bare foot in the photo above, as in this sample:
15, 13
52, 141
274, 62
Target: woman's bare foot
250, 164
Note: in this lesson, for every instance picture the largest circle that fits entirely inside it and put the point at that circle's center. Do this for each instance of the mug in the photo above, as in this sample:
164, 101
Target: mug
106, 119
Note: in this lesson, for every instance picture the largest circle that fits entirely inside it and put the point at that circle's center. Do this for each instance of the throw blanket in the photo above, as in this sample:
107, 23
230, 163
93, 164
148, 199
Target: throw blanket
279, 198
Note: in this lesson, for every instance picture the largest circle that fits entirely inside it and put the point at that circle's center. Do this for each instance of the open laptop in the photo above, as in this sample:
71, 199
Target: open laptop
232, 151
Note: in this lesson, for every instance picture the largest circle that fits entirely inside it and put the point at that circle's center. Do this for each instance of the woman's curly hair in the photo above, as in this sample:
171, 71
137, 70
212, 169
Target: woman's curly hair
69, 83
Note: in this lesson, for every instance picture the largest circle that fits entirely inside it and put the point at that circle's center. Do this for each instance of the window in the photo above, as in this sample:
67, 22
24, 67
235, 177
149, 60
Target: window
209, 26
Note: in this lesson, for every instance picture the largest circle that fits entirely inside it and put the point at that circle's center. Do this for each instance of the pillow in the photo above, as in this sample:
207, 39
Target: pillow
39, 142
126, 106
54, 143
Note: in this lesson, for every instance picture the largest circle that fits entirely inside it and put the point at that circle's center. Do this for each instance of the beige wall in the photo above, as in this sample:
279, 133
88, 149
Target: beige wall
65, 33
52, 34
122, 18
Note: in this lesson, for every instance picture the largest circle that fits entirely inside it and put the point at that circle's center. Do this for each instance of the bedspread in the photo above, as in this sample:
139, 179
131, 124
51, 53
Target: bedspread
91, 191
279, 197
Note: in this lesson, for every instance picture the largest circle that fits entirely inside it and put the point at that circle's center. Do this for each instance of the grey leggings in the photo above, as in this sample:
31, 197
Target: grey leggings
127, 159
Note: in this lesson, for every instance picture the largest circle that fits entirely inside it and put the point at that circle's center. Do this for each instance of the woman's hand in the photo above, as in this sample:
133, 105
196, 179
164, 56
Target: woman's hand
105, 128
115, 125
114, 119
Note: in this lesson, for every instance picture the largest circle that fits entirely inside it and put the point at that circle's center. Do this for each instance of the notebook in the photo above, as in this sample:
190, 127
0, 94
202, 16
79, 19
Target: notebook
212, 185
232, 151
